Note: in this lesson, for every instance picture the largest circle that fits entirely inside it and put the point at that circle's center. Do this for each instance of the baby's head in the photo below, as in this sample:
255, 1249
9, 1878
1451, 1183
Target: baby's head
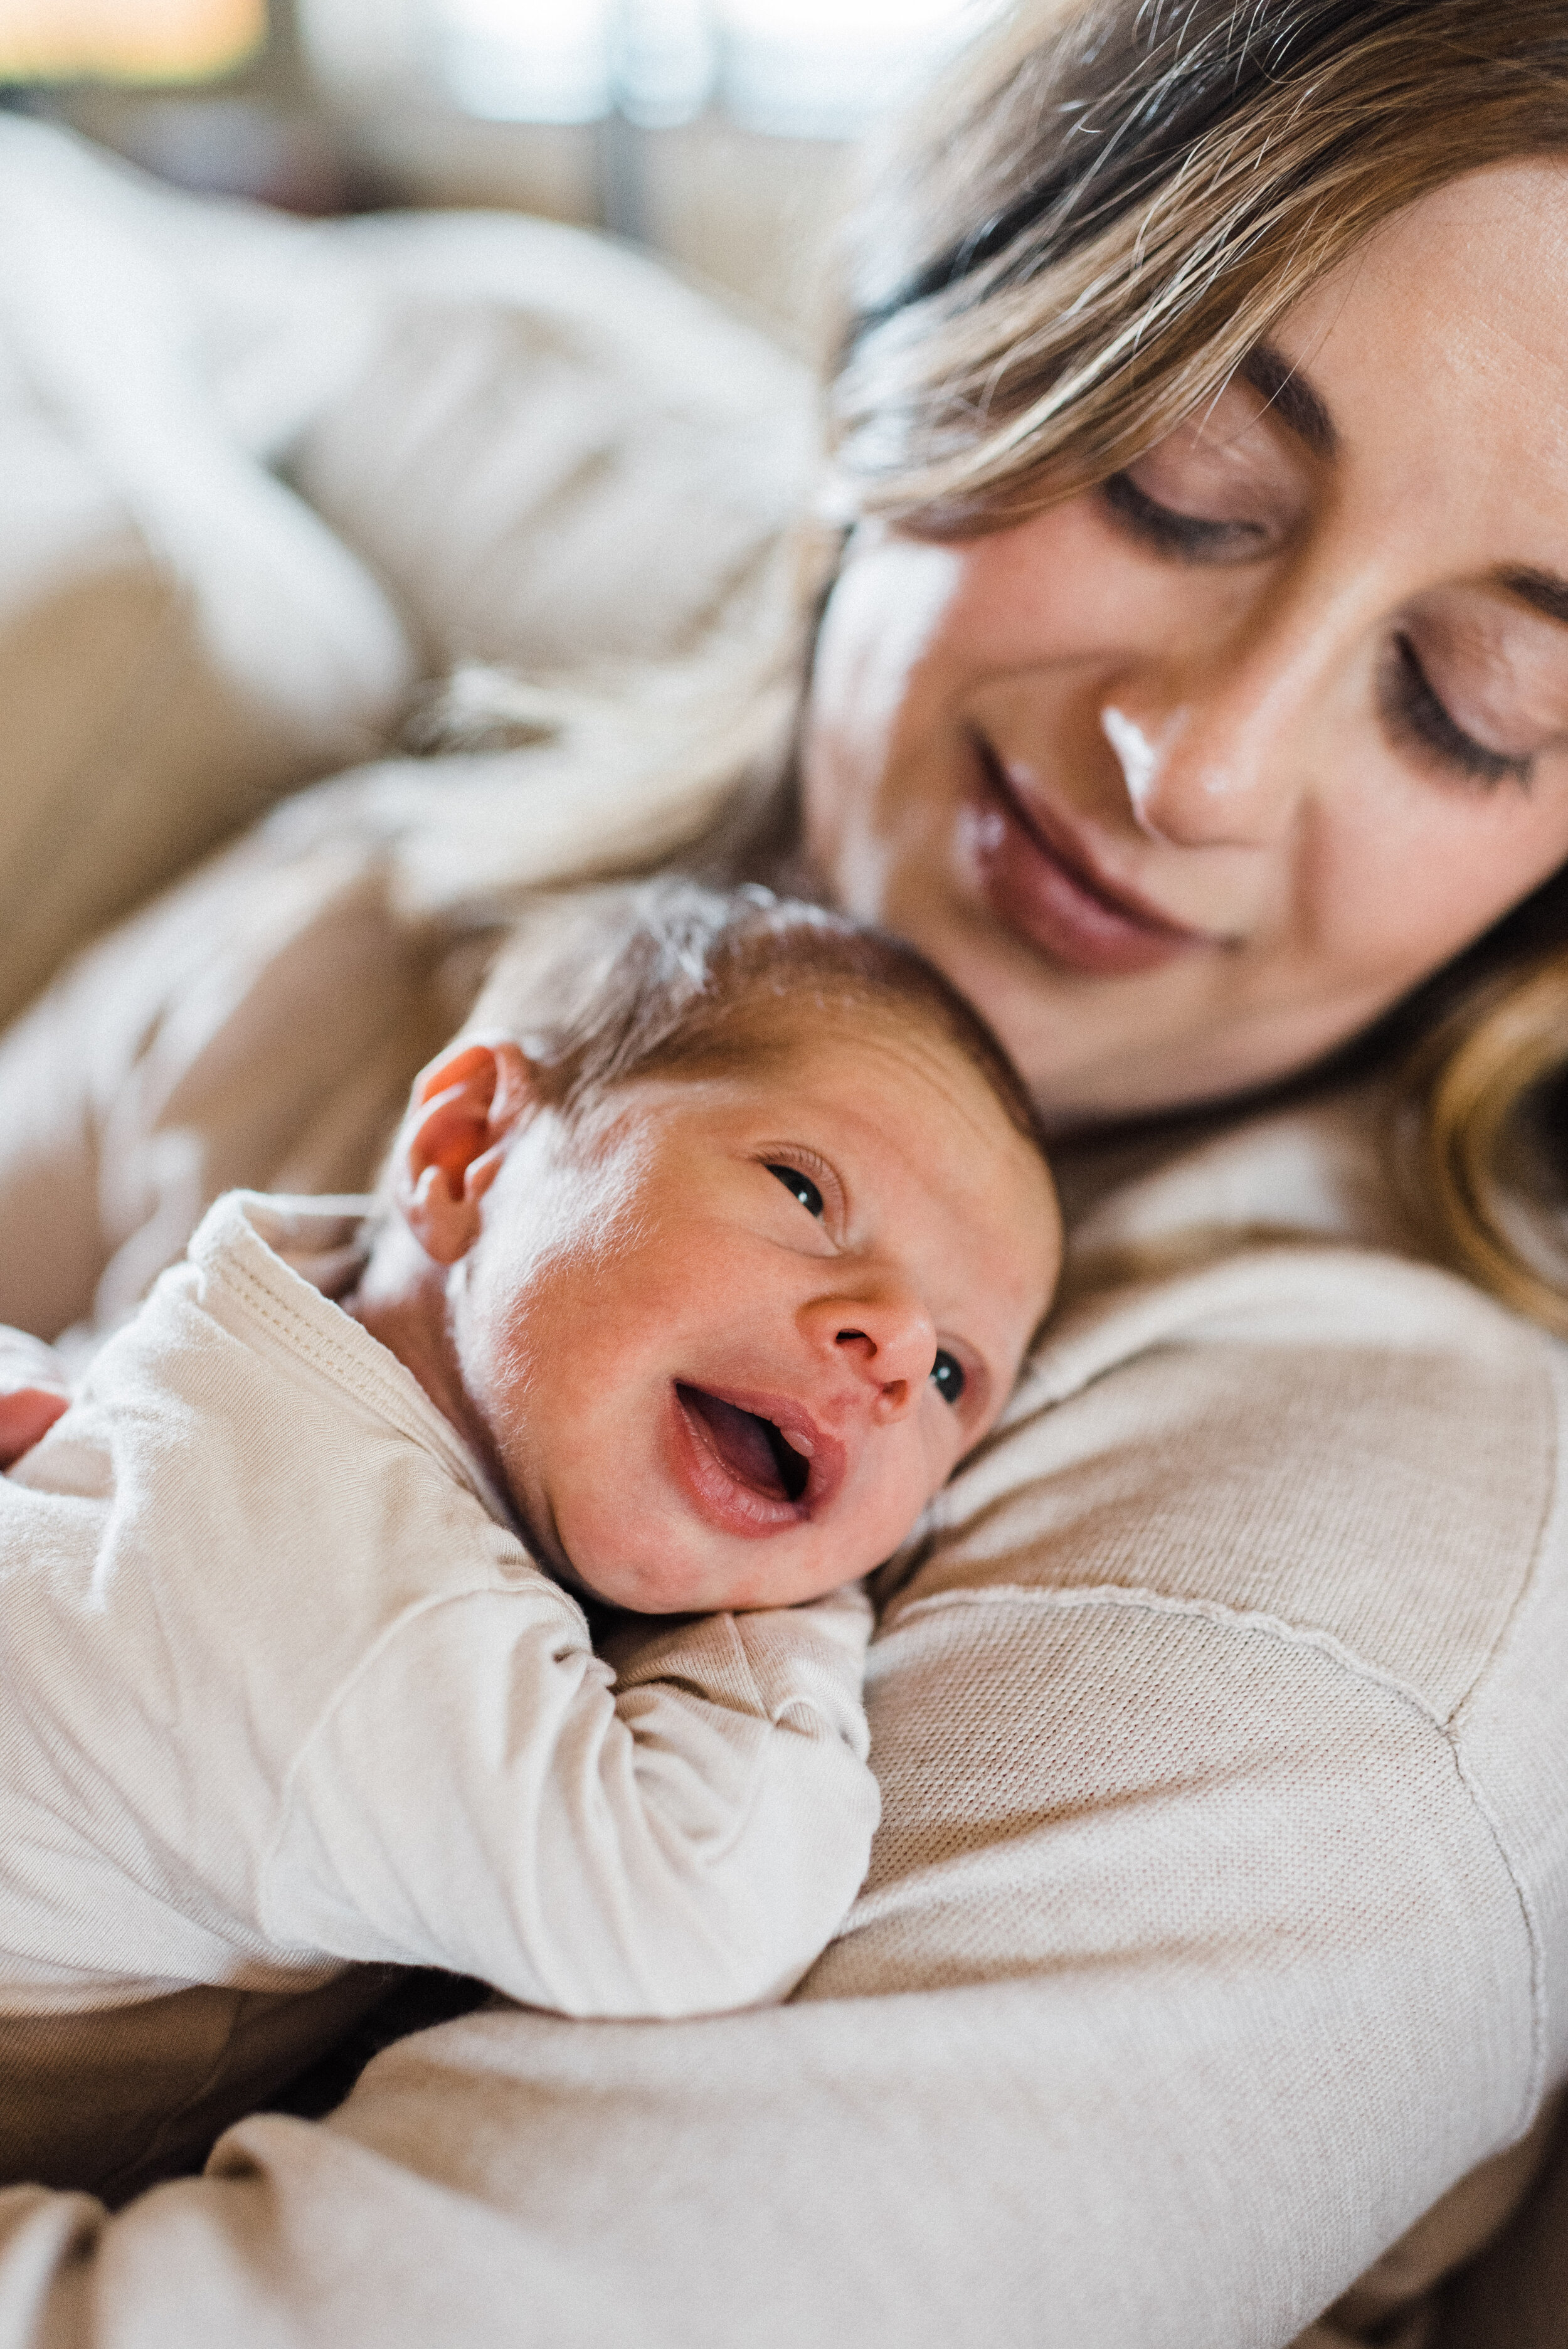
732, 1226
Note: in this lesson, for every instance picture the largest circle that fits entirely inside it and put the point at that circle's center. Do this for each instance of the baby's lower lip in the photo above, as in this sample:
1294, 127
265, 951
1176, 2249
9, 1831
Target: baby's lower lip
722, 1494
740, 1471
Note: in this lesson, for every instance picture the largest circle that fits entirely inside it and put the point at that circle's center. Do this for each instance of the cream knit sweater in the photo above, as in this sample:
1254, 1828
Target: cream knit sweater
1217, 1923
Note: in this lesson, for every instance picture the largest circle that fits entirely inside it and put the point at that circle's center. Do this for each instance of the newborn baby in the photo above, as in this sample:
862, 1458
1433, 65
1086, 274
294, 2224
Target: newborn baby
701, 1259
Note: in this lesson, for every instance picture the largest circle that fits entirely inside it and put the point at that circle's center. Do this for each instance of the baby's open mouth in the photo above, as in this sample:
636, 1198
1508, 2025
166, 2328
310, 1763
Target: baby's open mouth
755, 1451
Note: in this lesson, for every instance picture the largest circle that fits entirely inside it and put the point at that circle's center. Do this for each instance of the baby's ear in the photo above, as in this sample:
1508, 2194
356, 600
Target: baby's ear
465, 1108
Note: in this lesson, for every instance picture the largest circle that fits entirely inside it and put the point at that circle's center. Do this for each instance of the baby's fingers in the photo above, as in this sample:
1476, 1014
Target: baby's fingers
26, 1413
33, 1392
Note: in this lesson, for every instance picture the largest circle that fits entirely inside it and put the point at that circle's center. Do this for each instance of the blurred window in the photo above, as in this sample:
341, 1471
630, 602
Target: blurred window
800, 69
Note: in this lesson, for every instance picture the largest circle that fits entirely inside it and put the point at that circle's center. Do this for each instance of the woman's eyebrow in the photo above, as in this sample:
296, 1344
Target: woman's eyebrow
1543, 591
1292, 398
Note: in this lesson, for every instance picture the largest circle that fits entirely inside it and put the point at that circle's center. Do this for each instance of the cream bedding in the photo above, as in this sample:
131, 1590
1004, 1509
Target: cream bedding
262, 477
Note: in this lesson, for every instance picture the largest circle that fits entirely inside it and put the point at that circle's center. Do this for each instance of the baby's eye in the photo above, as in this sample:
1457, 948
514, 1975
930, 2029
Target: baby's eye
947, 1375
800, 1186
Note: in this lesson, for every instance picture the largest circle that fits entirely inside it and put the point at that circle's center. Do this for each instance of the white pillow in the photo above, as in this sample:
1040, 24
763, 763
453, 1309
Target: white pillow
502, 440
180, 640
556, 452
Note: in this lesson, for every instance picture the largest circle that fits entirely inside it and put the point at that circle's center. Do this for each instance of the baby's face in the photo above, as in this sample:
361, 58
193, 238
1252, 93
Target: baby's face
729, 1335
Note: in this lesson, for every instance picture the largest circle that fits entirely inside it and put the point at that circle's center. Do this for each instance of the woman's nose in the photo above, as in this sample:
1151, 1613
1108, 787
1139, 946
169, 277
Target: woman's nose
1219, 757
883, 1336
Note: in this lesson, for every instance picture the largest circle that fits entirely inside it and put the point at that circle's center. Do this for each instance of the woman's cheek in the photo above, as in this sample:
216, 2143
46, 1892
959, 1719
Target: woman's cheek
871, 683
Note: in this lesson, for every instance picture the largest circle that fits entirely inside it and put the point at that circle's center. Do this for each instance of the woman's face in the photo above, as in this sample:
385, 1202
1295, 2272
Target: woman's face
1185, 781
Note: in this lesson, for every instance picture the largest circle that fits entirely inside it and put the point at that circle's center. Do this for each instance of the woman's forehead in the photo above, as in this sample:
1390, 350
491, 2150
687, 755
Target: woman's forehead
1444, 337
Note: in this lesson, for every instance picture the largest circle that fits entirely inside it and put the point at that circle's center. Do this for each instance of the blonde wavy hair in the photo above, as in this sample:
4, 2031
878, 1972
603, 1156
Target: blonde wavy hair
1482, 1145
1103, 210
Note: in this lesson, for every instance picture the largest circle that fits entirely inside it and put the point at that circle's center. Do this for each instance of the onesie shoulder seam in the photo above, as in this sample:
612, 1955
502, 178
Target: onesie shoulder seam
353, 1379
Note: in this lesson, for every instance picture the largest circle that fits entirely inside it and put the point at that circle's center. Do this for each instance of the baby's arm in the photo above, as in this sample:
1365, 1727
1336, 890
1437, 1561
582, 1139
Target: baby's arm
684, 1840
33, 1392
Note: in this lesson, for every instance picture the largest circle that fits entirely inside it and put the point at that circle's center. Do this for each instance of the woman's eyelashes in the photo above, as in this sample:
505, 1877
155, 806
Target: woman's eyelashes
1413, 711
1414, 714
1191, 538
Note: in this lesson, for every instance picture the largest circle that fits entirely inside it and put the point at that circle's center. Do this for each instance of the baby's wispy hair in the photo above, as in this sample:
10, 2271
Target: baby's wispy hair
667, 976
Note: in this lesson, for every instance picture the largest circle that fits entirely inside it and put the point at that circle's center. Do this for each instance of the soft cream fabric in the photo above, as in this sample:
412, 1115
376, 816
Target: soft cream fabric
559, 454
524, 445
283, 1689
180, 640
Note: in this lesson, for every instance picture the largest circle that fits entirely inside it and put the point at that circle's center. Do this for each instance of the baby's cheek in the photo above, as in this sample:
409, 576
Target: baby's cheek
909, 1483
948, 1435
618, 1545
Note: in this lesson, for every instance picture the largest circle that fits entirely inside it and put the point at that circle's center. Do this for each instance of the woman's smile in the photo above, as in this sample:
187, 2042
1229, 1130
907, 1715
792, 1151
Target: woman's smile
1040, 876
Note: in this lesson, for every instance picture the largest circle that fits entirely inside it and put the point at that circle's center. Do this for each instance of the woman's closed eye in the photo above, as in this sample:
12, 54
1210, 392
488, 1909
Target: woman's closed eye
1191, 538
1414, 714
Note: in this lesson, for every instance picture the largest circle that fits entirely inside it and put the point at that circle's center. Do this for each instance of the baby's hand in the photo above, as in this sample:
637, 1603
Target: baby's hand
33, 1392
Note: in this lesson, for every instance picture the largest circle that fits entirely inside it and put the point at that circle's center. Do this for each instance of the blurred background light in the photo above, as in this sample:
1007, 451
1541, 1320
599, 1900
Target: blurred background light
126, 40
722, 135
665, 61
526, 60
823, 69
794, 68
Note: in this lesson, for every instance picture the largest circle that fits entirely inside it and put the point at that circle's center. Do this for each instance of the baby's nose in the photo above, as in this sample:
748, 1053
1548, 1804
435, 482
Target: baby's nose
891, 1342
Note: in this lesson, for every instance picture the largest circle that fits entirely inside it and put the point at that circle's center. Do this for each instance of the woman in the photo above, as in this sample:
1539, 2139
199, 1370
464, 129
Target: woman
1194, 689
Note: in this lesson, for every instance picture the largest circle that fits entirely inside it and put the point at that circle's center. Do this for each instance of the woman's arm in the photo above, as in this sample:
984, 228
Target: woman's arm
1211, 1933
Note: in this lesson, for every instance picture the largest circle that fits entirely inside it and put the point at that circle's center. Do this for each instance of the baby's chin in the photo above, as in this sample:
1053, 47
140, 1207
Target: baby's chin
658, 1560
643, 1590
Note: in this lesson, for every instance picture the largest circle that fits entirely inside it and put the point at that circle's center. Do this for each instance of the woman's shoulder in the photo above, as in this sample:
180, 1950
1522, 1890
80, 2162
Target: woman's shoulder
1258, 1398
1253, 1614
1198, 1187
1325, 1443
1228, 1673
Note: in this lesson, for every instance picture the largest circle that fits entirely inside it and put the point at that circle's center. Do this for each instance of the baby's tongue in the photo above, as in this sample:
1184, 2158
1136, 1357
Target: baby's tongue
740, 1438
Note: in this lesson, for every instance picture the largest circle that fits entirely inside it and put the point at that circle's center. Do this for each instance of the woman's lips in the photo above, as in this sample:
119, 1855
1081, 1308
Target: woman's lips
1037, 878
734, 1451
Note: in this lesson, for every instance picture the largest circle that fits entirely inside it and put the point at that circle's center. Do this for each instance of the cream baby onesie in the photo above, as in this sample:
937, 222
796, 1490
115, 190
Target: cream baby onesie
281, 1689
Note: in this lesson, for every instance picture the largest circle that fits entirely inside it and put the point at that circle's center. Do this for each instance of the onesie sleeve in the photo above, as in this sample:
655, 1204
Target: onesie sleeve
27, 1361
487, 1796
